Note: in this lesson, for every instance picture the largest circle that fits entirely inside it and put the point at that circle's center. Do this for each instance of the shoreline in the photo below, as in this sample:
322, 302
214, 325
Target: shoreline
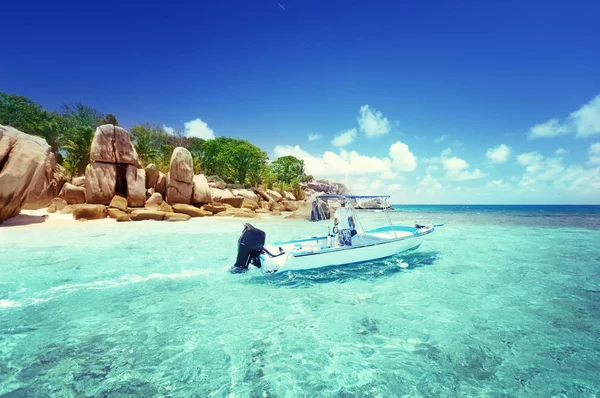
40, 218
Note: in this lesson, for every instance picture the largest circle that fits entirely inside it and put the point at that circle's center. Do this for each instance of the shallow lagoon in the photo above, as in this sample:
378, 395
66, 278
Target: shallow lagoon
494, 303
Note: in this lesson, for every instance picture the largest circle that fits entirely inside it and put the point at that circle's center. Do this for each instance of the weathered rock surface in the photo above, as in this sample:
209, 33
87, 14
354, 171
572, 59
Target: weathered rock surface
262, 194
290, 205
72, 194
136, 186
276, 212
276, 196
116, 213
161, 184
78, 181
118, 202
68, 209
179, 192
302, 213
154, 199
113, 145
182, 166
103, 149
123, 218
176, 217
100, 182
265, 205
27, 172
288, 195
152, 174
202, 192
38, 200
124, 149
216, 182
327, 187
89, 212
220, 194
262, 211
235, 201
250, 204
215, 207
246, 193
191, 210
142, 215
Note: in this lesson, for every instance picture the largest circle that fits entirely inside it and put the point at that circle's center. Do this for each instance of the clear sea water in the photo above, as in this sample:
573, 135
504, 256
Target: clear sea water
501, 301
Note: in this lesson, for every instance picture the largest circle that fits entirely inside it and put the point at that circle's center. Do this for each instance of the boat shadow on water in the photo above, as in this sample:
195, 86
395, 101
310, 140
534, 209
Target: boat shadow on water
370, 270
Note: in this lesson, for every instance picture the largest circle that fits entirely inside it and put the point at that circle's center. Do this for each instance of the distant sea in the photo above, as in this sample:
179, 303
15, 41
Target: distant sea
502, 301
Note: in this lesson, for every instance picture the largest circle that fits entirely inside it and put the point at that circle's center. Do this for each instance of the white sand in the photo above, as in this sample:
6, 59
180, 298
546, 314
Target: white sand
42, 219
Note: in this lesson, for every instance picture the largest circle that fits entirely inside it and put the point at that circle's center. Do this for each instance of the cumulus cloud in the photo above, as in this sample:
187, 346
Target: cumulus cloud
584, 122
344, 138
499, 154
198, 128
455, 167
372, 122
429, 183
314, 137
560, 151
402, 158
348, 163
394, 187
538, 168
595, 153
168, 130
497, 184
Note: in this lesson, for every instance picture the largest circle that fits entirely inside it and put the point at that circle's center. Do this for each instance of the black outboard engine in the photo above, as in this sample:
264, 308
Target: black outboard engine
250, 246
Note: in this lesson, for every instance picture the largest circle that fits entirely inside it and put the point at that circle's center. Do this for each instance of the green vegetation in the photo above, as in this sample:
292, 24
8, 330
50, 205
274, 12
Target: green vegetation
69, 132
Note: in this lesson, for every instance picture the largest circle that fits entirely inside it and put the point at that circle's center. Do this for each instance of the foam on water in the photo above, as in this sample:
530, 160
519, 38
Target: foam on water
487, 306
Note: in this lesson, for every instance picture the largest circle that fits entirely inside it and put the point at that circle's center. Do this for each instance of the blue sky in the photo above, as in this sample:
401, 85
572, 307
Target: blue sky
440, 84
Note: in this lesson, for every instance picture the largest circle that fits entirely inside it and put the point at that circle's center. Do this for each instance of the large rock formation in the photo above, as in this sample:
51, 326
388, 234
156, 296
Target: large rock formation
202, 192
246, 193
72, 194
112, 144
114, 168
136, 186
327, 187
152, 174
100, 182
180, 184
27, 172
220, 194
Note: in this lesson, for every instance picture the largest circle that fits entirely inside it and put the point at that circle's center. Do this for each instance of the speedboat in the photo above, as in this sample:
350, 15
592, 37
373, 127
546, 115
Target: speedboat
323, 251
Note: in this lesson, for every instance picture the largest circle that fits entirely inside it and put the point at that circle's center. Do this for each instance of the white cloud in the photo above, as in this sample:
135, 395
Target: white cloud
440, 139
372, 122
314, 137
499, 154
389, 175
497, 184
529, 158
595, 153
560, 151
344, 138
168, 130
584, 122
465, 175
394, 187
538, 168
429, 183
198, 128
454, 164
402, 158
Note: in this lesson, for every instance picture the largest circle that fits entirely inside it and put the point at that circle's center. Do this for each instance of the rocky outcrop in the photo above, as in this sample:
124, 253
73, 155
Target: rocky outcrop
72, 194
27, 172
215, 208
116, 213
220, 194
191, 211
288, 195
216, 182
290, 205
234, 201
276, 196
89, 212
152, 174
250, 204
302, 213
327, 187
112, 144
154, 200
180, 184
202, 193
238, 213
118, 202
39, 200
100, 182
156, 215
78, 181
161, 184
136, 186
245, 193
57, 204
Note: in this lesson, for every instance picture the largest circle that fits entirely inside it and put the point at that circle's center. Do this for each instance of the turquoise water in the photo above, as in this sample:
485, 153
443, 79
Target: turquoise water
495, 303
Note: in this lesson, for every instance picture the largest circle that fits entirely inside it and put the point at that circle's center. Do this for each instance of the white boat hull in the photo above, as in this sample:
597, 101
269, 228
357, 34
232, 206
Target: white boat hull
315, 253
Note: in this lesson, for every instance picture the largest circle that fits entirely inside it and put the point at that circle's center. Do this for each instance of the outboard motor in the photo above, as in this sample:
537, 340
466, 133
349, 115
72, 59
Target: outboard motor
250, 246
